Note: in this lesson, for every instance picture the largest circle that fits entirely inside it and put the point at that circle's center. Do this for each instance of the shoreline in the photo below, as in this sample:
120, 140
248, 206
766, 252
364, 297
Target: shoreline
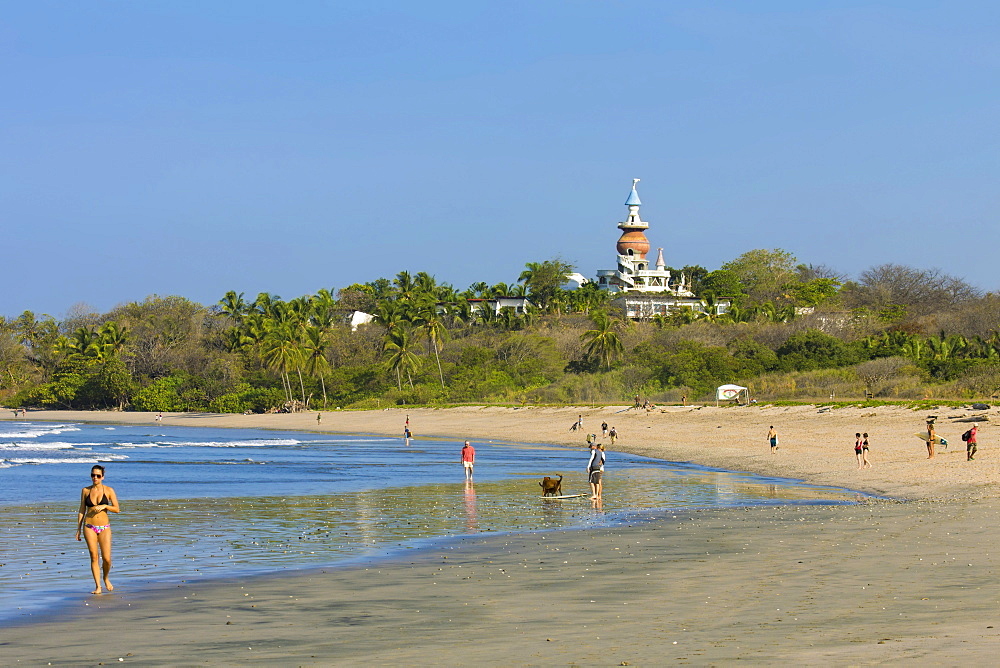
874, 582
815, 446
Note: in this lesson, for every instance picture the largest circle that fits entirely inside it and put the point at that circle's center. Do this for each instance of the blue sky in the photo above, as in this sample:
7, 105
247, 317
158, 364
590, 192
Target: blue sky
197, 147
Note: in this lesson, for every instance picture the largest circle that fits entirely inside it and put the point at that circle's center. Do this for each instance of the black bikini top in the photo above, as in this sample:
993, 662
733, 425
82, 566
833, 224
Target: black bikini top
91, 504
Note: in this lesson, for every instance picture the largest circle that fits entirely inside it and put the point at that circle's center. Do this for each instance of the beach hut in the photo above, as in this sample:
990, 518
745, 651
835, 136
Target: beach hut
732, 393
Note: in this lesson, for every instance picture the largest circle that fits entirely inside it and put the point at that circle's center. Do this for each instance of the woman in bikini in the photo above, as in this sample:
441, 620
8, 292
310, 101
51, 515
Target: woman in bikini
96, 502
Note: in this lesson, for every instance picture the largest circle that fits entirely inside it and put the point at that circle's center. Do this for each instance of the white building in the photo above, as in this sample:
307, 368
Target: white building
643, 292
518, 305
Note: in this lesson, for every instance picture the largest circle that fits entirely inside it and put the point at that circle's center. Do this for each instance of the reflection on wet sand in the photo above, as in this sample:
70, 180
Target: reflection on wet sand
470, 507
163, 539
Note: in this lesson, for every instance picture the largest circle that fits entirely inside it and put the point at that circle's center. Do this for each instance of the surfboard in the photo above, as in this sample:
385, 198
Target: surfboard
937, 439
565, 496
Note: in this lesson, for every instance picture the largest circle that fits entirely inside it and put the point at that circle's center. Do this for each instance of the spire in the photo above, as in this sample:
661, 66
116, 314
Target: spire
633, 197
633, 241
660, 264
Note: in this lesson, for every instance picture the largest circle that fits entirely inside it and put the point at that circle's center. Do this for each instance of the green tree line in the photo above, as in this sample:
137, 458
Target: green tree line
790, 331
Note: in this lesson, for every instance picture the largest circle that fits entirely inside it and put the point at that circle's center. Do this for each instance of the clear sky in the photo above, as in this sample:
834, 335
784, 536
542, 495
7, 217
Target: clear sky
193, 147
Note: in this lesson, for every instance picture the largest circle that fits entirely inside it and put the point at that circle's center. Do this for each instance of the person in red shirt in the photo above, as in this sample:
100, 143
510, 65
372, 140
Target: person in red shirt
970, 445
468, 459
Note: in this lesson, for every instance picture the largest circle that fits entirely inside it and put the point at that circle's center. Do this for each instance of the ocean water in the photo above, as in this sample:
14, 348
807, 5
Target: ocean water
203, 503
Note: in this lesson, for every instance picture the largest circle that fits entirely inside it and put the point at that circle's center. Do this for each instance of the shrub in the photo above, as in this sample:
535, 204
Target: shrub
163, 394
246, 398
812, 349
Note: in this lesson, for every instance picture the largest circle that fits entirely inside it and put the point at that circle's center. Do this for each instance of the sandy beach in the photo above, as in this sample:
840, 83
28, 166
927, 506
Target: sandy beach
908, 579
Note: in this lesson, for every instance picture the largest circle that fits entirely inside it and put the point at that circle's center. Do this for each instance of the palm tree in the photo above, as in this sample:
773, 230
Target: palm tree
479, 288
324, 305
431, 323
500, 290
234, 306
508, 318
83, 342
458, 313
111, 339
518, 290
401, 359
603, 341
785, 314
485, 314
914, 348
390, 314
281, 352
314, 349
265, 303
405, 285
544, 280
425, 283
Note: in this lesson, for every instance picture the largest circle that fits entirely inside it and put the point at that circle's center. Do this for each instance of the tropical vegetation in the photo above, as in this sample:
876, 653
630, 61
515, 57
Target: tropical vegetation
790, 331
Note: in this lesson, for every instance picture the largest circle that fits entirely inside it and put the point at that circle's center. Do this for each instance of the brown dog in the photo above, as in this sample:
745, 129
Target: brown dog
551, 486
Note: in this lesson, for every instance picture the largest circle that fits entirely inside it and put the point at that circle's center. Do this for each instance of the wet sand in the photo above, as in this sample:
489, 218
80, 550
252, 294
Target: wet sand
879, 582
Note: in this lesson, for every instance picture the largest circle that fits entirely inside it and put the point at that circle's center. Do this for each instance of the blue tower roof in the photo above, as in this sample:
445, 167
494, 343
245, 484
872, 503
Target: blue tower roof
633, 198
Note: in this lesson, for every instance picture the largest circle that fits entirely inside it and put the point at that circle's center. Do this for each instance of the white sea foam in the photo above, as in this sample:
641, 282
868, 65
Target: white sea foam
35, 430
36, 446
232, 444
89, 459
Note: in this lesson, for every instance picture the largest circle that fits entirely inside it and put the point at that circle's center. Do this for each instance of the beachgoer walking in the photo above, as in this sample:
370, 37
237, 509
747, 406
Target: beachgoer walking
636, 406
772, 438
579, 422
96, 501
613, 434
468, 459
857, 449
864, 450
931, 437
604, 428
407, 435
970, 443
319, 418
159, 417
684, 400
595, 471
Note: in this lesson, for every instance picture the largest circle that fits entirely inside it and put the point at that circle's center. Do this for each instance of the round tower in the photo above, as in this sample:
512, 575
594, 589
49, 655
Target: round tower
633, 241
